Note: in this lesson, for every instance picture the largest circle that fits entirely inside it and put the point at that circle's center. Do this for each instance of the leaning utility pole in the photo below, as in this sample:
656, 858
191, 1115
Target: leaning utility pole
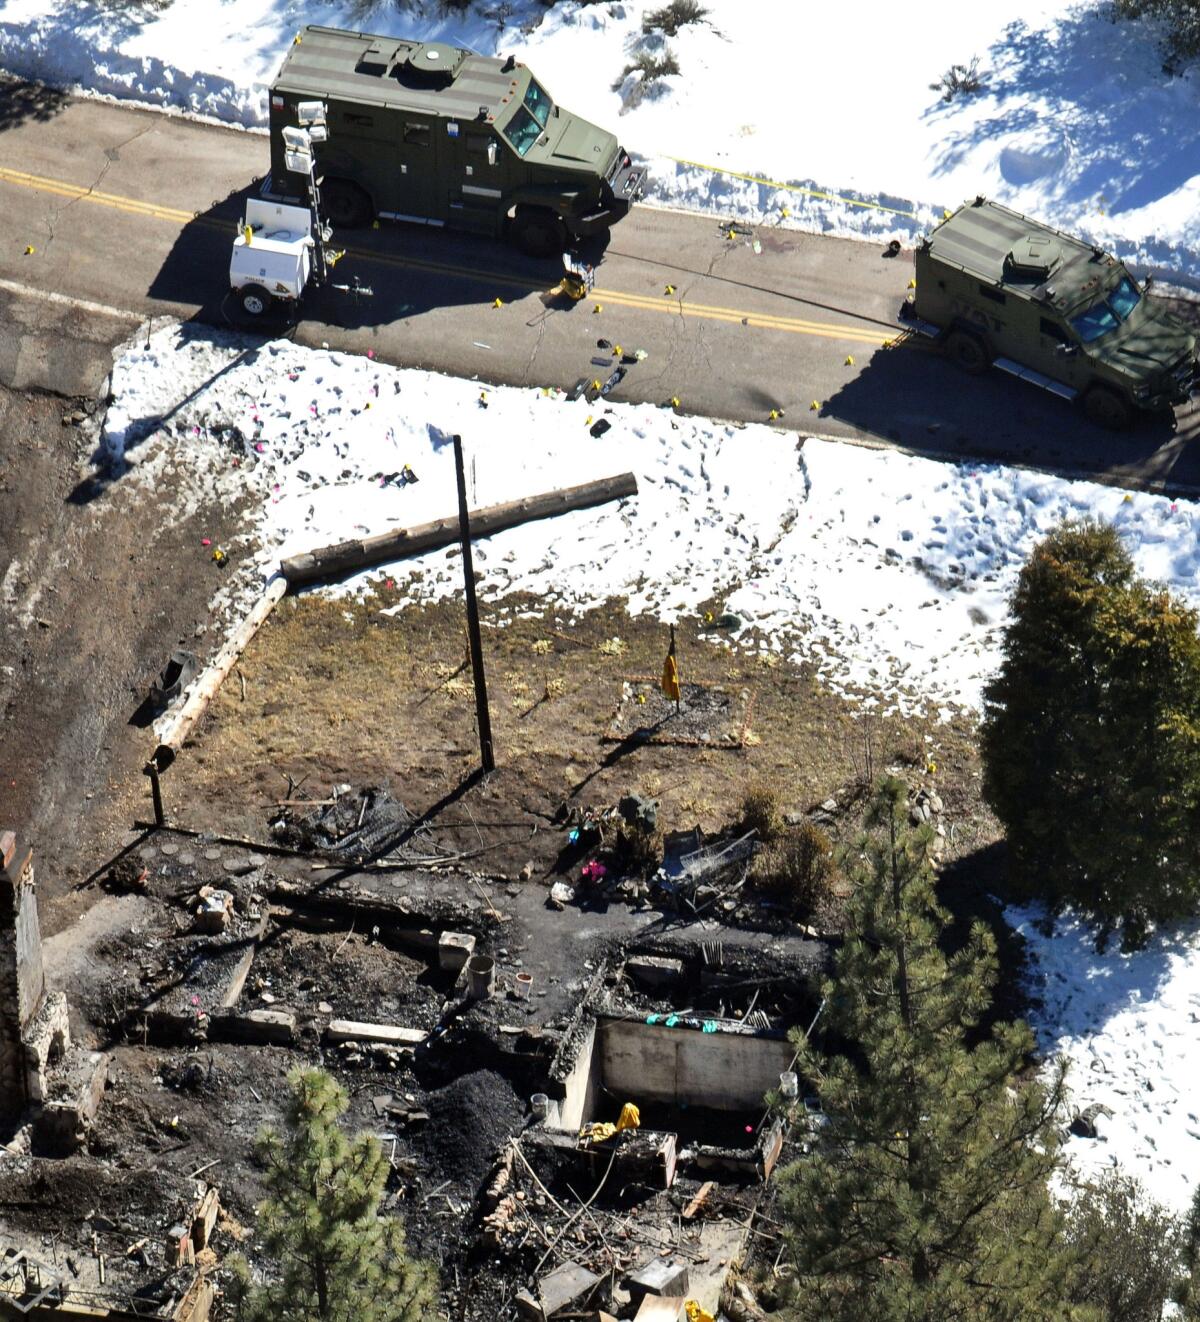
481, 698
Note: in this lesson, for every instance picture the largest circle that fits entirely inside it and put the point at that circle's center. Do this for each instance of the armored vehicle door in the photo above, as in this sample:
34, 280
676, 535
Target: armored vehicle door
474, 167
412, 191
1056, 351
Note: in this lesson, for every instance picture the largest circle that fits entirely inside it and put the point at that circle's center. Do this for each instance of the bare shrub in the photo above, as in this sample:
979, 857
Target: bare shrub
798, 870
651, 68
671, 17
959, 80
761, 812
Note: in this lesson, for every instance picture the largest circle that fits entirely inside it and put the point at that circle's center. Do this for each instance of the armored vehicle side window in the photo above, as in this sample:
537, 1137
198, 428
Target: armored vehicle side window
538, 103
358, 121
1124, 298
1055, 331
522, 130
994, 294
417, 135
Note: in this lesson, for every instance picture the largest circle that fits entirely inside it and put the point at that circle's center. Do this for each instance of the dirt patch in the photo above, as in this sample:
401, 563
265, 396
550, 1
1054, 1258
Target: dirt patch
340, 691
98, 584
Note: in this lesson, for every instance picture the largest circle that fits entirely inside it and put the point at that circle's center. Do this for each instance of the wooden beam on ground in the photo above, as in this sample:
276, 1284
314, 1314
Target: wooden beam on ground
177, 729
328, 562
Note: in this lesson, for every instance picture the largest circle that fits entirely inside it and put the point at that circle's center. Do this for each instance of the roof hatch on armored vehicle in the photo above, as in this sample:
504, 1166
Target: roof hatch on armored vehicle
374, 60
429, 64
1033, 257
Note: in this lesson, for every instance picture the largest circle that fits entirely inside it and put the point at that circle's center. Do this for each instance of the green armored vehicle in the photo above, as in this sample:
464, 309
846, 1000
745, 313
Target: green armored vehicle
421, 131
1001, 290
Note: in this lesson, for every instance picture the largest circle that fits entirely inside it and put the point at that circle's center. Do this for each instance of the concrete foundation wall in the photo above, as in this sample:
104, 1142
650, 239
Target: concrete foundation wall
580, 1085
723, 1071
22, 980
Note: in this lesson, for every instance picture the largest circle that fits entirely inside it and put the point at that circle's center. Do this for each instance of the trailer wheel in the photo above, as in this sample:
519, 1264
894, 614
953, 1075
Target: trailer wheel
346, 206
255, 300
968, 351
538, 232
1107, 409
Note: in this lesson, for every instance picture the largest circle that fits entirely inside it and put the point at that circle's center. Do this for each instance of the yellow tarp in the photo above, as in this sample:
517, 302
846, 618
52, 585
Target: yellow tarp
630, 1118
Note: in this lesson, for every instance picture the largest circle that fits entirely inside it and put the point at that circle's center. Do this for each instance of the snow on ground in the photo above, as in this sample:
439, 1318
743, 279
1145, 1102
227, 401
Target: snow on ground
1128, 1025
889, 573
1076, 122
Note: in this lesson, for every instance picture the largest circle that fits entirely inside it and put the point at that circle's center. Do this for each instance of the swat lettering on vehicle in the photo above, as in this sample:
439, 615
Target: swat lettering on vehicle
431, 133
1001, 290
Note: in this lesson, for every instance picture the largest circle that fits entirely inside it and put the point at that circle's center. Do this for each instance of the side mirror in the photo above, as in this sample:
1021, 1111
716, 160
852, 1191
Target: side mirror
1067, 350
1149, 280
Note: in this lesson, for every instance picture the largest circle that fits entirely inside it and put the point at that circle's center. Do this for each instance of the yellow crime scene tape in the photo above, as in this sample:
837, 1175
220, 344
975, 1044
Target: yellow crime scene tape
794, 188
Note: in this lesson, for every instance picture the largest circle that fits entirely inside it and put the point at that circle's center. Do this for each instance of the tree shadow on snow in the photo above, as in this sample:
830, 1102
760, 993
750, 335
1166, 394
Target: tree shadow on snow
1109, 130
1050, 971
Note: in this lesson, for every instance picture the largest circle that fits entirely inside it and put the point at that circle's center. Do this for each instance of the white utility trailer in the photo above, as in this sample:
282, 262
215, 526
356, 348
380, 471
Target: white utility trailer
280, 248
272, 255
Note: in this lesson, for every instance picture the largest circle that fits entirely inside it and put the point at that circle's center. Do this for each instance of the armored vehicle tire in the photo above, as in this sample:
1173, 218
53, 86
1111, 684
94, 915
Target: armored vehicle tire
1107, 409
968, 351
346, 206
254, 300
538, 232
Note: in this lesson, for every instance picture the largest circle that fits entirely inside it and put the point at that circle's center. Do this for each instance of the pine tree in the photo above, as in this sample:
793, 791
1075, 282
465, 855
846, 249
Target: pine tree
1187, 1290
1091, 735
924, 1194
333, 1257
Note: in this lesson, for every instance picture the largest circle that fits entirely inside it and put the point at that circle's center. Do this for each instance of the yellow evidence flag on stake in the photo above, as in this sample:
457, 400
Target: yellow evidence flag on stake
670, 674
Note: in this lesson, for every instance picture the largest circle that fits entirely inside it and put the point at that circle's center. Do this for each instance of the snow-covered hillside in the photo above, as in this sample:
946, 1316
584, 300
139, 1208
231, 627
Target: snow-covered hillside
1075, 122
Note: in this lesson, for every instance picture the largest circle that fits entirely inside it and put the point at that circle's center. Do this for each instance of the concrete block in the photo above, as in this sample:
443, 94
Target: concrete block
556, 1290
454, 949
268, 1027
350, 1030
654, 970
660, 1276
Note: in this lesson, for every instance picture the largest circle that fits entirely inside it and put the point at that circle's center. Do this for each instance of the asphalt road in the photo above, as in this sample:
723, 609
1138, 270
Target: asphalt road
130, 214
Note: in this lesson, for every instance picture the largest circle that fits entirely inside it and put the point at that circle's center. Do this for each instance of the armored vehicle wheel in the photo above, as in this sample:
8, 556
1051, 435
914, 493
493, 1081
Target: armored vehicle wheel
1107, 409
537, 232
968, 351
255, 300
346, 206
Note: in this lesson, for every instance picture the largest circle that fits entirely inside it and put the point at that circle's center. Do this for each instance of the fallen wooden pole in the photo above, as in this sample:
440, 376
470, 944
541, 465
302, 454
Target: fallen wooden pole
348, 557
177, 729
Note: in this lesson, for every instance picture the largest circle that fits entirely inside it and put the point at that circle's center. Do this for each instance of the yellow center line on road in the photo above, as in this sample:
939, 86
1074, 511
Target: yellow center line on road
638, 302
80, 193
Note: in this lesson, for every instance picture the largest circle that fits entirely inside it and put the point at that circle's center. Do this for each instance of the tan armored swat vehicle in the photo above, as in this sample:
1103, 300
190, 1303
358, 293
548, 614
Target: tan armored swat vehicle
1001, 290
